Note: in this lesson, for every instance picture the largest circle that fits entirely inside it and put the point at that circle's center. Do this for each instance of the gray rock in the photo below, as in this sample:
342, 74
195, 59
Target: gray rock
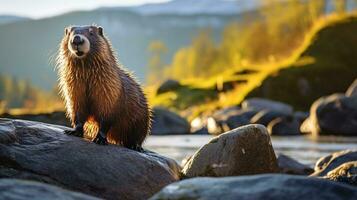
332, 115
301, 116
168, 85
41, 152
352, 90
345, 173
224, 112
52, 118
228, 119
201, 131
267, 187
328, 163
307, 126
240, 118
288, 165
265, 104
242, 151
284, 126
15, 189
264, 117
199, 126
166, 122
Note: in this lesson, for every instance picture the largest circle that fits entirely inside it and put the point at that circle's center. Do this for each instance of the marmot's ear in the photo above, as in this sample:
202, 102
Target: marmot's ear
100, 30
66, 31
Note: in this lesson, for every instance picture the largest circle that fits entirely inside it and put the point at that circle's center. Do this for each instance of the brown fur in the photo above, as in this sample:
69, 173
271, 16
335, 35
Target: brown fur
98, 87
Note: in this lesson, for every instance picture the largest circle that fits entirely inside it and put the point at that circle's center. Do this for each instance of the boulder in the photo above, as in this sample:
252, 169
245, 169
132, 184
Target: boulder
352, 90
345, 173
168, 85
265, 104
284, 126
301, 116
228, 119
42, 152
288, 165
57, 117
267, 187
15, 189
224, 112
330, 162
264, 117
332, 115
242, 151
199, 126
240, 118
166, 122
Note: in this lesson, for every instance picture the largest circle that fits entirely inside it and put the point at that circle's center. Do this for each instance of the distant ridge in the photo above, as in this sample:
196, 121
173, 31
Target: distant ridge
5, 19
192, 7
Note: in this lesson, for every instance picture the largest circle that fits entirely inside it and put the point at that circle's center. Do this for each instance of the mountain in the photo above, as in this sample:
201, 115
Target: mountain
5, 19
28, 48
189, 7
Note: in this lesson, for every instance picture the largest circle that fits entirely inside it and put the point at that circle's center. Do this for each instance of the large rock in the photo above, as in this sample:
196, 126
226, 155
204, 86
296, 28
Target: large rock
352, 90
240, 118
199, 126
345, 173
332, 115
57, 117
288, 165
166, 122
168, 85
284, 126
224, 112
264, 117
265, 104
267, 187
330, 162
301, 116
217, 122
41, 152
229, 118
15, 189
242, 151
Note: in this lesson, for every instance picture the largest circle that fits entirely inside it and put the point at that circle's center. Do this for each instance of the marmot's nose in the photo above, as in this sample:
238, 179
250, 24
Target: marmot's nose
77, 40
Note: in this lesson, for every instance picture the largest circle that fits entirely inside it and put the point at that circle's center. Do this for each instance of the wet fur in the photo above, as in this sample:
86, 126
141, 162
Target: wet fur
97, 87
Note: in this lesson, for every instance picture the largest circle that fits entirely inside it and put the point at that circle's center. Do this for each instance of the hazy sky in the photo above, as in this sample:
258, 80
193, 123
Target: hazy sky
44, 8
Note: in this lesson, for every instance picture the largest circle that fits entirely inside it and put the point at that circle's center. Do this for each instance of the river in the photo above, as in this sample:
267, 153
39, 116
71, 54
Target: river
302, 148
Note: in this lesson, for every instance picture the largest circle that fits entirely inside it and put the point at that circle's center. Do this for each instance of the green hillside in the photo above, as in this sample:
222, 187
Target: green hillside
27, 48
327, 66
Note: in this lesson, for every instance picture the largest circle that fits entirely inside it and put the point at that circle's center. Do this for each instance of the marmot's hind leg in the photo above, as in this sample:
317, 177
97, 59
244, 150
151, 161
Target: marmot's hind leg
134, 139
101, 137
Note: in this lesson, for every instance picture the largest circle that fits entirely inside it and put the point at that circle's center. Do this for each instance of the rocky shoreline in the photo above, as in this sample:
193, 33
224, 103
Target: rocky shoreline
335, 114
37, 160
242, 163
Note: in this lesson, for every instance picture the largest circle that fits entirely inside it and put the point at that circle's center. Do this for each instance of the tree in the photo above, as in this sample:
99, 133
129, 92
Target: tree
340, 6
157, 49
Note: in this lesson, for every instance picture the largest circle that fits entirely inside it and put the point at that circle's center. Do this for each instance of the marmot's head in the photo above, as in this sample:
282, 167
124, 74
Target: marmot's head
79, 41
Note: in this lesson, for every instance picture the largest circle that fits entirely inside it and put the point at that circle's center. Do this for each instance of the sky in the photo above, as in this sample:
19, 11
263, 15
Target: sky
45, 8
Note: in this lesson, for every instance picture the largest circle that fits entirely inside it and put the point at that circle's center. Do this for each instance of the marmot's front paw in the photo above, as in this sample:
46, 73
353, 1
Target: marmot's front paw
100, 140
74, 132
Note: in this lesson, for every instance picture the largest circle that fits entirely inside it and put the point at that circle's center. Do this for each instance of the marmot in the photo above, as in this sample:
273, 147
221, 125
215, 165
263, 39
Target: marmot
95, 86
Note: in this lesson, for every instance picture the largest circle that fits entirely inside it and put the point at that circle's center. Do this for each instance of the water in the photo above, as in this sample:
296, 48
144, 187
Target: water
304, 149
